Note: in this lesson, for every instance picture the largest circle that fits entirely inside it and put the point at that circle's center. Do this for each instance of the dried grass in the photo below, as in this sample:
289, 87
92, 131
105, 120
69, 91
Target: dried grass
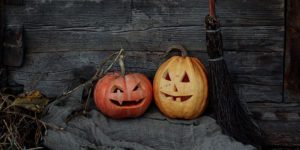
19, 128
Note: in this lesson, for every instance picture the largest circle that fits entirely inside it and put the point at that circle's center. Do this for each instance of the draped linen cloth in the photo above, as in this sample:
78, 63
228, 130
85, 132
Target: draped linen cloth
152, 131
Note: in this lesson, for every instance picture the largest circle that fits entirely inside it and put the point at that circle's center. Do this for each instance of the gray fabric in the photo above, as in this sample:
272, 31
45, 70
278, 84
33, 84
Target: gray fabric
151, 131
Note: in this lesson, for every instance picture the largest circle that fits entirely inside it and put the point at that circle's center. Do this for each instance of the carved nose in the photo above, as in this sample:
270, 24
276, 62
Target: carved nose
175, 88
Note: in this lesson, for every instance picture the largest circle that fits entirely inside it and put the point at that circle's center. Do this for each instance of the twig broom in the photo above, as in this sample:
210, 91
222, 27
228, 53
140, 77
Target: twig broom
231, 115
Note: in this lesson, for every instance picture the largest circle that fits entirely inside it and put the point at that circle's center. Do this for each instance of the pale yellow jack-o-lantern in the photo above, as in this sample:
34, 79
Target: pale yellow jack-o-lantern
180, 86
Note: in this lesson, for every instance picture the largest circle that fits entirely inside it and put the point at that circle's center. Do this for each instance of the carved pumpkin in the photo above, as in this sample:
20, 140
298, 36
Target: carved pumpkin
180, 86
123, 96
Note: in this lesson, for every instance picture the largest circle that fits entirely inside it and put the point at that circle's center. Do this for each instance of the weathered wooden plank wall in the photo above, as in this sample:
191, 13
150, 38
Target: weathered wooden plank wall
63, 35
280, 122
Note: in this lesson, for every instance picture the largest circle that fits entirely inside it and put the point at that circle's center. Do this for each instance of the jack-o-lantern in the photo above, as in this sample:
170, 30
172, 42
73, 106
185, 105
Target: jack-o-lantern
120, 95
180, 86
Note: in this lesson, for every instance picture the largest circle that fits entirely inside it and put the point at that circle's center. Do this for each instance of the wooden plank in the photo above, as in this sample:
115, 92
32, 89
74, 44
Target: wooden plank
1, 24
264, 39
107, 24
280, 122
13, 47
3, 70
292, 57
141, 14
270, 147
259, 92
241, 64
281, 133
256, 79
1, 28
14, 2
276, 111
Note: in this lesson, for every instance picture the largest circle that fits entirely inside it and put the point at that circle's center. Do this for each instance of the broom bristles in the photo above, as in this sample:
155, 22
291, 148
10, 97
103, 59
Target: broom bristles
231, 115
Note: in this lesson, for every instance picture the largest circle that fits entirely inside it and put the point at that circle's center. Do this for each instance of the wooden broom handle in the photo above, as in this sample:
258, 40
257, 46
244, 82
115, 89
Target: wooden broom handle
212, 8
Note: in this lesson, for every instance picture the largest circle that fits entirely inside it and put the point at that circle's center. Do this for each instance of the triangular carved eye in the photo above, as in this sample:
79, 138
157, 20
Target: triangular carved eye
136, 87
167, 77
185, 78
117, 90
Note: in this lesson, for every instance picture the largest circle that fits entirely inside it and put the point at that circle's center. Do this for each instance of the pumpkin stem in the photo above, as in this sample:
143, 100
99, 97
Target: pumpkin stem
177, 47
121, 63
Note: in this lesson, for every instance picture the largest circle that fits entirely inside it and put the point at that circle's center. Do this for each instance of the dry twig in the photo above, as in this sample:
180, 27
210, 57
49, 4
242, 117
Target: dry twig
20, 123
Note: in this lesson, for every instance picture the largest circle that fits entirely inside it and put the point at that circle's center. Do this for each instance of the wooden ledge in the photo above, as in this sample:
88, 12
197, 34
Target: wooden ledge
280, 122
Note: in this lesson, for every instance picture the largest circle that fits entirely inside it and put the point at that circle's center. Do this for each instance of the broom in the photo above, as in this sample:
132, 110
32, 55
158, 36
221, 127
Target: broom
231, 115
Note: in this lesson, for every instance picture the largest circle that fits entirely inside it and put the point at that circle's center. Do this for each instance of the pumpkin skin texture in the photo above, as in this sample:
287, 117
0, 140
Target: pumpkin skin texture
181, 88
123, 96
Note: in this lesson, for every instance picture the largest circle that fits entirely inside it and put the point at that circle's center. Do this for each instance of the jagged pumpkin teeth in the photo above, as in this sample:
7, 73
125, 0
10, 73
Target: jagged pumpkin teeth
120, 102
132, 95
127, 103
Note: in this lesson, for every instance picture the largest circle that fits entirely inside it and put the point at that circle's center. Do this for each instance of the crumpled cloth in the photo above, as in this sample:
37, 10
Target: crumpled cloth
152, 131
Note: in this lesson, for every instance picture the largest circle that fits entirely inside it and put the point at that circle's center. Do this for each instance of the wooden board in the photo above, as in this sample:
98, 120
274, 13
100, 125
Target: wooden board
51, 39
1, 26
292, 57
102, 25
113, 14
280, 123
13, 46
255, 79
3, 70
64, 35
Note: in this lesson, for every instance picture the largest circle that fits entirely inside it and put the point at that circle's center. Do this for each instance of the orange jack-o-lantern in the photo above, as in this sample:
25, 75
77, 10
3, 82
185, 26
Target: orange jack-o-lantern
123, 96
180, 86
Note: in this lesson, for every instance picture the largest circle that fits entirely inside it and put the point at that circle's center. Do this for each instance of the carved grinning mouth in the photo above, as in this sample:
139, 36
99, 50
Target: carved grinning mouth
126, 103
178, 98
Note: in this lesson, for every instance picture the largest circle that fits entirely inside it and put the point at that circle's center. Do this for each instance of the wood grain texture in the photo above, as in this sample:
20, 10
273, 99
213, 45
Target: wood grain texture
292, 57
1, 24
3, 69
255, 79
65, 35
143, 13
280, 122
49, 39
281, 133
14, 2
2, 20
89, 25
13, 49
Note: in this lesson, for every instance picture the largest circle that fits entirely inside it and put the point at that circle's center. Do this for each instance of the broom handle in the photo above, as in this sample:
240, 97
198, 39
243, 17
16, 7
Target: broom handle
212, 8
